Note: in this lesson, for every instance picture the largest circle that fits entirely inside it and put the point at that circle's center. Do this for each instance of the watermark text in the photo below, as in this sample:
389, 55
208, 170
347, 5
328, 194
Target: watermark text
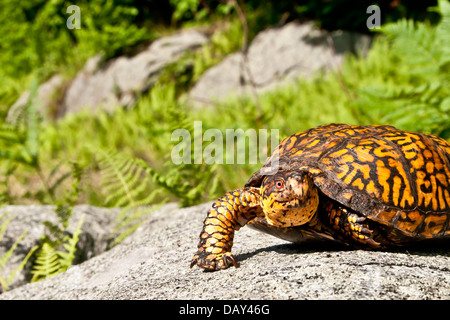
241, 147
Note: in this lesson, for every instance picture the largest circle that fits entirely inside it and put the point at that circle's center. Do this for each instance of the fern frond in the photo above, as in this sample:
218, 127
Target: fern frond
4, 224
128, 220
117, 179
127, 183
20, 267
20, 141
50, 260
7, 255
443, 29
413, 91
406, 34
54, 236
6, 280
70, 246
46, 264
125, 180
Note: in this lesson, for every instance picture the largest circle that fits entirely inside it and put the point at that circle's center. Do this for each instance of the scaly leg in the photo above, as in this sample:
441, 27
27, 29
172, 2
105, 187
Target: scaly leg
351, 224
229, 213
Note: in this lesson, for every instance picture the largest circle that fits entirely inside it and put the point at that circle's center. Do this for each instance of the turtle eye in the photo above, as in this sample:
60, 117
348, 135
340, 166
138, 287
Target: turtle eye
279, 184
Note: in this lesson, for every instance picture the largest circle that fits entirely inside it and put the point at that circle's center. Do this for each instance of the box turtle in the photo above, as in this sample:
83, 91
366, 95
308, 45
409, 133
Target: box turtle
365, 186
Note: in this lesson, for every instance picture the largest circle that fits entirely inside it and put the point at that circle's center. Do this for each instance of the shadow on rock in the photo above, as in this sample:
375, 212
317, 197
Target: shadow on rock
426, 248
296, 248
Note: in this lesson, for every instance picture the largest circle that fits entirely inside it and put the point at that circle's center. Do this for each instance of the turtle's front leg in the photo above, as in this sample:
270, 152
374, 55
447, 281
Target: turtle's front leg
229, 213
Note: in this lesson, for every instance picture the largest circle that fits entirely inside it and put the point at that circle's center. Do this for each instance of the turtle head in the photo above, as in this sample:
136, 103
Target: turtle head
289, 198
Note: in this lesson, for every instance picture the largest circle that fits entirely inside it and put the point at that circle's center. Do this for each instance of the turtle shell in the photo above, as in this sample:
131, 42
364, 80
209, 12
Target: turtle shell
397, 178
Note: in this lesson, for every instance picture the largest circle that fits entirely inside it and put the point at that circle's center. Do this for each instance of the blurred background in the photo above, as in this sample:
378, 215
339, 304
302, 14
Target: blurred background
87, 114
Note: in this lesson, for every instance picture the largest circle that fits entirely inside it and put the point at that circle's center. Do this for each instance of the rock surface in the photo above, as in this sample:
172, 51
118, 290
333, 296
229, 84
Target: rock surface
118, 83
47, 95
97, 228
153, 263
275, 56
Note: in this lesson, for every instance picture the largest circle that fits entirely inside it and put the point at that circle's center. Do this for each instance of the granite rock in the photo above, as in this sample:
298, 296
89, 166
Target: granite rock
153, 263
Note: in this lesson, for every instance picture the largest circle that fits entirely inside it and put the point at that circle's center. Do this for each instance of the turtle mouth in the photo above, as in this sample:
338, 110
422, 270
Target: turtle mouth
284, 200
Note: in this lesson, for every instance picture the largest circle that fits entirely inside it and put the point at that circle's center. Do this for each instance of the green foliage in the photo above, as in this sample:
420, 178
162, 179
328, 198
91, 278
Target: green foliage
127, 184
69, 243
20, 150
189, 183
404, 77
403, 81
106, 25
413, 89
51, 261
184, 8
19, 145
109, 24
226, 39
197, 9
381, 88
18, 141
5, 281
57, 249
46, 263
124, 181
37, 43
329, 14
336, 14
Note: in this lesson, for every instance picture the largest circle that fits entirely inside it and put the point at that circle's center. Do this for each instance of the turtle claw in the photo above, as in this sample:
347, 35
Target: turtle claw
230, 259
372, 243
214, 262
361, 231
